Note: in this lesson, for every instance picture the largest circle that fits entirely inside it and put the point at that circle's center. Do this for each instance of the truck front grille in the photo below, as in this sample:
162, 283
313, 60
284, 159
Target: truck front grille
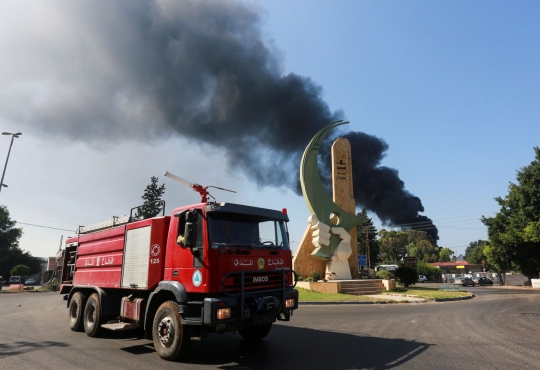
233, 282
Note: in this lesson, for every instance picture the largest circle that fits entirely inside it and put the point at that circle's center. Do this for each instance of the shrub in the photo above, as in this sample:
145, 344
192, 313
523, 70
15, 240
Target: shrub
406, 275
383, 274
432, 272
316, 276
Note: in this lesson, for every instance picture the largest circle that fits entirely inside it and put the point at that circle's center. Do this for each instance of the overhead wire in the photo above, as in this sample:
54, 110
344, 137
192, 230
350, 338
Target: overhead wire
44, 219
46, 227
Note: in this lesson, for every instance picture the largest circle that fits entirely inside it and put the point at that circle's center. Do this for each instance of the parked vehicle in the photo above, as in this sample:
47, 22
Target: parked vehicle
458, 280
467, 281
422, 279
485, 281
208, 268
386, 267
31, 282
448, 279
15, 279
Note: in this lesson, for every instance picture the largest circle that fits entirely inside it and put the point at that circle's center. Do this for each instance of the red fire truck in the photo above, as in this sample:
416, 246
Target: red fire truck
207, 268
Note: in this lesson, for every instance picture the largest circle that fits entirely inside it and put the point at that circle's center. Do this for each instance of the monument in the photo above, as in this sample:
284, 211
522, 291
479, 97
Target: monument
329, 243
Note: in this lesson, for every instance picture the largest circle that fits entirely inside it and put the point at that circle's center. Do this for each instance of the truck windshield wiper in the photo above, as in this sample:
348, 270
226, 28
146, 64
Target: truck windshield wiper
227, 244
233, 245
266, 246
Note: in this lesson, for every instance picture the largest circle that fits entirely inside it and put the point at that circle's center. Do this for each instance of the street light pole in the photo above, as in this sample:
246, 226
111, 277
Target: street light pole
13, 136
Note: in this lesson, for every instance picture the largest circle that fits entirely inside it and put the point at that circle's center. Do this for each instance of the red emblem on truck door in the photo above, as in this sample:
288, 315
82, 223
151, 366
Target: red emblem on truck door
155, 250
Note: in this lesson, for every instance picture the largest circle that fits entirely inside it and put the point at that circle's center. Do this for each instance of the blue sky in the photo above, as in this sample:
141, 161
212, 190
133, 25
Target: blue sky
451, 86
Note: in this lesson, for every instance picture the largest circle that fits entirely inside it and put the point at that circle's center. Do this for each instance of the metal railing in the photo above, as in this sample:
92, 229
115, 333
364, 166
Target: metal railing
121, 220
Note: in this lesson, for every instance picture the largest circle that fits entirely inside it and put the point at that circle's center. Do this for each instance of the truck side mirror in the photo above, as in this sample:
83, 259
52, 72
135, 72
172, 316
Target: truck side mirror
190, 235
190, 216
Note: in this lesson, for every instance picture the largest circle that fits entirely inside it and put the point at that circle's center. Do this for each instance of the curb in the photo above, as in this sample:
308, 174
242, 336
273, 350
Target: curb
454, 299
405, 295
388, 302
328, 303
359, 302
22, 291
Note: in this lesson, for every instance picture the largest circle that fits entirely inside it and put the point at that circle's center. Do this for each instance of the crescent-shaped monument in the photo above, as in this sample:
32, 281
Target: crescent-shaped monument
318, 201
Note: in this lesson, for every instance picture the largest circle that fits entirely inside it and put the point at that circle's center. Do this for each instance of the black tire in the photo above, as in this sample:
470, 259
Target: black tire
255, 333
171, 338
92, 316
76, 311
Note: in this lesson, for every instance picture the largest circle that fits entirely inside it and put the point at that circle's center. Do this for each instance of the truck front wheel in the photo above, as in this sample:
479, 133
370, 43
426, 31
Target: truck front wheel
255, 333
171, 339
76, 311
92, 316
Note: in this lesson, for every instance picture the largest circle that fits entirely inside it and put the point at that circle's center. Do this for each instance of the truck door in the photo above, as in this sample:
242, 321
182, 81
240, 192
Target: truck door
198, 251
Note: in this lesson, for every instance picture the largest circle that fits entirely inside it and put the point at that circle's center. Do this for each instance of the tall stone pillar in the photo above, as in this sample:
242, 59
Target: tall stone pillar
342, 186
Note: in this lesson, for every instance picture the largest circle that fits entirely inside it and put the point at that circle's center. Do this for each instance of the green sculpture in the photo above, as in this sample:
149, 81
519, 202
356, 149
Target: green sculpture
320, 203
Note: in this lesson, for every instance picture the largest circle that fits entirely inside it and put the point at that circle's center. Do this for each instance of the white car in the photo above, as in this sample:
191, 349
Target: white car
422, 279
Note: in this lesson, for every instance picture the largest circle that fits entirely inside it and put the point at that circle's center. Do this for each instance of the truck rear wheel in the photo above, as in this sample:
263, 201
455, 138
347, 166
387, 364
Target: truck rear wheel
171, 339
255, 333
76, 311
92, 316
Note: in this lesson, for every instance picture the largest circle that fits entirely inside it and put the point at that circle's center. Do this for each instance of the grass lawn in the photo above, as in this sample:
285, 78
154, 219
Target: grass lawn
311, 296
427, 293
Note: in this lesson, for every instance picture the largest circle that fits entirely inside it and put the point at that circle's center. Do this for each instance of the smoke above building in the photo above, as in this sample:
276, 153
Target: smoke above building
202, 70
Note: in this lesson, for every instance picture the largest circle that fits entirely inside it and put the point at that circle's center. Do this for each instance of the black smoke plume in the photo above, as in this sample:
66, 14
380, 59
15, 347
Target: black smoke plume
203, 70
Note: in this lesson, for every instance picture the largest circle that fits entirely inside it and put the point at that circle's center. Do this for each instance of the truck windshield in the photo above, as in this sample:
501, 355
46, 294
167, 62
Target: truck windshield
231, 230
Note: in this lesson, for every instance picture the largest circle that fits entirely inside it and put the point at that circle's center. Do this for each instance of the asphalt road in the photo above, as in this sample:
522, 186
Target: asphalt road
498, 329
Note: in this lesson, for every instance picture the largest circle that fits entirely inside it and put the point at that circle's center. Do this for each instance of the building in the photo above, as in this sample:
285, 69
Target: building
459, 268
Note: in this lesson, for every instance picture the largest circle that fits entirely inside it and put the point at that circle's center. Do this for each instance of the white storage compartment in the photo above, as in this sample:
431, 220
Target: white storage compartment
136, 254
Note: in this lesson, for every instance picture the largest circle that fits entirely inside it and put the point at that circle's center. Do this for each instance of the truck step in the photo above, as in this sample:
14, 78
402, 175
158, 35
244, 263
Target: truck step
118, 326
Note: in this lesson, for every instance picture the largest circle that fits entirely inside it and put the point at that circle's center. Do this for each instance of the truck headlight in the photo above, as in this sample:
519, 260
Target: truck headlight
223, 313
290, 303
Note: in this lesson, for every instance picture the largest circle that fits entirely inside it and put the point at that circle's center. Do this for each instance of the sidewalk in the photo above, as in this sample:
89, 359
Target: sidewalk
397, 298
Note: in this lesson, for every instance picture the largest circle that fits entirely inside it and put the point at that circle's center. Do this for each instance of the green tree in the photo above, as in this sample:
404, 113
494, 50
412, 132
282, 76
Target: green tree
421, 246
152, 194
21, 270
371, 240
475, 255
412, 251
427, 252
514, 230
497, 261
415, 236
10, 253
393, 246
445, 254
474, 252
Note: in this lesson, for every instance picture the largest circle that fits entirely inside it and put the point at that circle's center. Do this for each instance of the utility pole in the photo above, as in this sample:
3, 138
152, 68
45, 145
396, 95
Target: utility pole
13, 136
367, 249
60, 246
